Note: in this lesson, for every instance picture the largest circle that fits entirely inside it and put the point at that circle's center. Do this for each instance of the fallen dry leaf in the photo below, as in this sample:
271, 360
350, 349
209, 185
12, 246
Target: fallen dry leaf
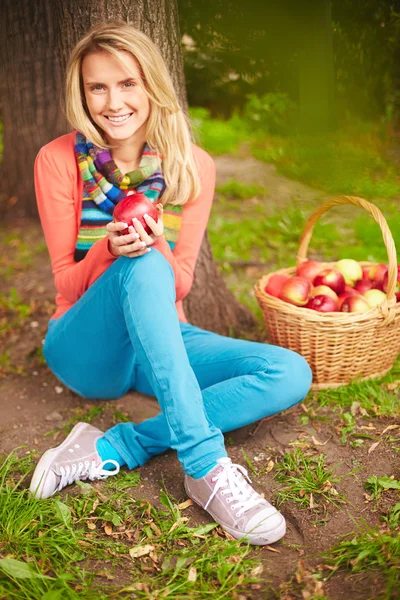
373, 447
271, 549
394, 385
312, 505
108, 529
105, 575
91, 525
192, 575
185, 504
317, 443
270, 466
389, 428
257, 571
138, 551
154, 527
95, 505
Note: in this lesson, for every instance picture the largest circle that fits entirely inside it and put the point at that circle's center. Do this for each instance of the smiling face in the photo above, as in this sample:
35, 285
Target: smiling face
115, 97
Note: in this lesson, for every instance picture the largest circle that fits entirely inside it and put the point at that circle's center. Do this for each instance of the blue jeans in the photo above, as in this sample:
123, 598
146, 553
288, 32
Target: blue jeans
124, 334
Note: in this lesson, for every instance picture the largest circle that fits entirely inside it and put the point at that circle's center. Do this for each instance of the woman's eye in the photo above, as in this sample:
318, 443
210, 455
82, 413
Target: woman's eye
96, 87
129, 84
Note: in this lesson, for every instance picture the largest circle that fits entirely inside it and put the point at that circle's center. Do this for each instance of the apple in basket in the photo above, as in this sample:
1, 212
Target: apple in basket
348, 292
322, 303
355, 304
296, 290
332, 278
386, 280
363, 285
377, 274
309, 269
324, 290
275, 283
134, 206
374, 297
350, 269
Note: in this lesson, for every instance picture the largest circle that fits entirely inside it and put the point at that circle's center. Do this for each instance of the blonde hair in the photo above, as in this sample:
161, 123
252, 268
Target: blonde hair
167, 132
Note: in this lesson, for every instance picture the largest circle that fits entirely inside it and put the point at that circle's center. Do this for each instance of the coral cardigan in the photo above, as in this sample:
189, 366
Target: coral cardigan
59, 187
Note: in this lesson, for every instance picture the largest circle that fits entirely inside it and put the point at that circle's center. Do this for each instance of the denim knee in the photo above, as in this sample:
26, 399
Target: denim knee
148, 267
297, 370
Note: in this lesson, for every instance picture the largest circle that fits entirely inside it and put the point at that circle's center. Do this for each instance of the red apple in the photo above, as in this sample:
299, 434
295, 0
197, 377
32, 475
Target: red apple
309, 269
386, 279
296, 291
365, 272
350, 292
324, 290
332, 278
348, 288
322, 303
374, 297
134, 206
354, 303
377, 273
377, 285
363, 285
275, 283
350, 269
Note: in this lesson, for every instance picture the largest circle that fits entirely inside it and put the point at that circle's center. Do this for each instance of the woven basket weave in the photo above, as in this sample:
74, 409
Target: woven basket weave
339, 347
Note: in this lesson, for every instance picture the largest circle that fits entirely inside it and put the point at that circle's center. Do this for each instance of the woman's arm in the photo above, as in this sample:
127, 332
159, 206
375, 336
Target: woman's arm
55, 185
194, 223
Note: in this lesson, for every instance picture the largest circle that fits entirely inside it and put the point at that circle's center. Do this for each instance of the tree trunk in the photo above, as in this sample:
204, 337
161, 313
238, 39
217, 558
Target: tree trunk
35, 40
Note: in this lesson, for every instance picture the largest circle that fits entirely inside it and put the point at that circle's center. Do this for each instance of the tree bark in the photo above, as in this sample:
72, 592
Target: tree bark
35, 41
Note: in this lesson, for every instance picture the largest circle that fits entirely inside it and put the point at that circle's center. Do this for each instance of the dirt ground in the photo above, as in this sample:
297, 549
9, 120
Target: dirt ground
33, 403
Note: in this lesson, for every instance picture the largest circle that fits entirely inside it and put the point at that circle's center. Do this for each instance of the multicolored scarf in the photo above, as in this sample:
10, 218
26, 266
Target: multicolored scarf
104, 186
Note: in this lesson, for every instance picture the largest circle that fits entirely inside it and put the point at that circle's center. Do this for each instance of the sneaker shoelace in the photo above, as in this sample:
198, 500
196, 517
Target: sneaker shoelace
232, 481
86, 470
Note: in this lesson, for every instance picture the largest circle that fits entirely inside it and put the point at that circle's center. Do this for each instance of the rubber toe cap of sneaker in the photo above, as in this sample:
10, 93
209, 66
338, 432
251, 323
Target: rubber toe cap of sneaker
266, 521
43, 484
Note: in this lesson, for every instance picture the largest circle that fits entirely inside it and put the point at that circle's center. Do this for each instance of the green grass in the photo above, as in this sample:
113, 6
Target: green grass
215, 135
66, 546
18, 253
352, 160
240, 191
374, 551
307, 480
374, 396
376, 486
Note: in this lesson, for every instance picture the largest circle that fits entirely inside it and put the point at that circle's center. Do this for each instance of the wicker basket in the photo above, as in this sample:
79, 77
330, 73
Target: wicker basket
339, 347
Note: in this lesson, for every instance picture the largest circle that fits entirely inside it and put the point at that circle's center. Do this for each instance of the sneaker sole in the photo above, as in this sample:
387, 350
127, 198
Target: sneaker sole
259, 539
38, 480
255, 539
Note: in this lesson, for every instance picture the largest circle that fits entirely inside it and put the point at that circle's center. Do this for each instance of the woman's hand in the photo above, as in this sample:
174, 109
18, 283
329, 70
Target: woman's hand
136, 242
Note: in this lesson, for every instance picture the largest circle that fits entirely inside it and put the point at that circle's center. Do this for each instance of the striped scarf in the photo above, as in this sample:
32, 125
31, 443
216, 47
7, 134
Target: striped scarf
104, 186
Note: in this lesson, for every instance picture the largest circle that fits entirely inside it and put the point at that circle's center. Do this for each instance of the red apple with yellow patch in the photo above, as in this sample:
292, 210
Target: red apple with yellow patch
355, 304
296, 291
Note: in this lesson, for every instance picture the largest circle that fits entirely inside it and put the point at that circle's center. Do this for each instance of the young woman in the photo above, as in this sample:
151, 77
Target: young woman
119, 323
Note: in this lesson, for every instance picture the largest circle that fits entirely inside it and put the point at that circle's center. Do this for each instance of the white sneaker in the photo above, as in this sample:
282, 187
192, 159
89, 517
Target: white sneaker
76, 458
235, 505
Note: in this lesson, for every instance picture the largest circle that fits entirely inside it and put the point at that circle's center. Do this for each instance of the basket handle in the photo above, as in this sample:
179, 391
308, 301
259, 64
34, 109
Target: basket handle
379, 218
